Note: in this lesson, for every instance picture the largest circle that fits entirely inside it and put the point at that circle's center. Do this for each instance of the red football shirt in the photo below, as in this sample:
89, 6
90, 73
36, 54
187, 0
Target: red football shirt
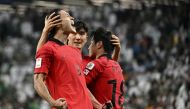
105, 80
85, 61
62, 65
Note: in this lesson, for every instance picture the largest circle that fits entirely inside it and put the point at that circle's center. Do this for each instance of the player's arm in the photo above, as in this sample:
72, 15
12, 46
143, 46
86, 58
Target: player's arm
116, 53
98, 105
50, 22
95, 103
42, 90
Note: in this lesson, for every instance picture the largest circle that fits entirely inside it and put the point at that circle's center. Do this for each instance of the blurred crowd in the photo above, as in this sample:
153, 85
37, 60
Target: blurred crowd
154, 56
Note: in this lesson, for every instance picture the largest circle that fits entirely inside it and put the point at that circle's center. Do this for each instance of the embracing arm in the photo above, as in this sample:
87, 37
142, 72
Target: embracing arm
43, 39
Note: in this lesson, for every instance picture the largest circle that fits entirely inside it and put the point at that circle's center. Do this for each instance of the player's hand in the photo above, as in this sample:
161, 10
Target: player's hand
107, 105
59, 103
115, 41
51, 22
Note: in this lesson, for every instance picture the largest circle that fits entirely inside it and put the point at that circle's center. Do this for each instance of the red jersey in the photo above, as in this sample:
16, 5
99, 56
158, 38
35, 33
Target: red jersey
85, 61
105, 80
62, 65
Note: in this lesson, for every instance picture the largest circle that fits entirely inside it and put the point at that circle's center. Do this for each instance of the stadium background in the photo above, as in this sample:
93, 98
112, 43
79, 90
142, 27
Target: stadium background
155, 41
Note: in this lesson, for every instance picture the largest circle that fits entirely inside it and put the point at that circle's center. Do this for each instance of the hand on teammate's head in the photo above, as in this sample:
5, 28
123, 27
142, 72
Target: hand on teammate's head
51, 21
115, 41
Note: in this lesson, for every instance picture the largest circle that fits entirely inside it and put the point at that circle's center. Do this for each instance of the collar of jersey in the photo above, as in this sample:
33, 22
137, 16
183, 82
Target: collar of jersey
103, 55
56, 41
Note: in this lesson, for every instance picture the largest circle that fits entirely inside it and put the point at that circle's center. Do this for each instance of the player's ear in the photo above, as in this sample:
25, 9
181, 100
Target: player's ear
99, 44
86, 38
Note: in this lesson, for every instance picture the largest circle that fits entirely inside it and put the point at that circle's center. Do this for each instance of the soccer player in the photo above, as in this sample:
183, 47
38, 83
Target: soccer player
103, 75
58, 76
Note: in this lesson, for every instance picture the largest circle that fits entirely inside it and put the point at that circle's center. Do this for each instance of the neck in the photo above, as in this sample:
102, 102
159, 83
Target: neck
100, 53
61, 36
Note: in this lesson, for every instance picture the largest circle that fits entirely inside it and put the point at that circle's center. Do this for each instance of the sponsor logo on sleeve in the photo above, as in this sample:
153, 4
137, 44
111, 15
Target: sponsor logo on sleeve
38, 62
90, 65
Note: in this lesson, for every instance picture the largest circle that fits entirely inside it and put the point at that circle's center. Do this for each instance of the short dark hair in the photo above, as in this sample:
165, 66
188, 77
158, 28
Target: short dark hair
80, 25
54, 29
105, 36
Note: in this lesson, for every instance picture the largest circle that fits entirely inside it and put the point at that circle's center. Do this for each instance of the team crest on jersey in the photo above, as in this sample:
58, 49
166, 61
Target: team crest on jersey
90, 65
38, 62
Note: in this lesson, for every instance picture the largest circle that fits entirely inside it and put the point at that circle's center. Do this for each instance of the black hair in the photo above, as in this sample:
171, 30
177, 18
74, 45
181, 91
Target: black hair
54, 29
80, 25
105, 36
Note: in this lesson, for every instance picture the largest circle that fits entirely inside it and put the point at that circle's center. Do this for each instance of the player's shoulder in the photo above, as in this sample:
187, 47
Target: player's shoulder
47, 47
102, 61
86, 59
97, 63
113, 63
107, 62
92, 64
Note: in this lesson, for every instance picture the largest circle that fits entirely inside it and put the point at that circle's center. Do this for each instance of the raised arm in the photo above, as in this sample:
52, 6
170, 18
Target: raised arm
50, 22
116, 53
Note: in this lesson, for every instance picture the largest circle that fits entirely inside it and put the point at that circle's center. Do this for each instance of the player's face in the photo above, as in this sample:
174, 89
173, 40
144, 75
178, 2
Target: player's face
67, 22
77, 40
92, 49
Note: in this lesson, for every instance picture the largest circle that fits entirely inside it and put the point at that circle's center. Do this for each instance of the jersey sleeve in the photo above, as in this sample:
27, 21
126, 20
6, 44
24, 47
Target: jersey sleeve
91, 71
43, 60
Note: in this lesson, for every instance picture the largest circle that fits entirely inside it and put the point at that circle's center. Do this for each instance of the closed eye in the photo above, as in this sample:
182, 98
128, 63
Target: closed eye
82, 33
